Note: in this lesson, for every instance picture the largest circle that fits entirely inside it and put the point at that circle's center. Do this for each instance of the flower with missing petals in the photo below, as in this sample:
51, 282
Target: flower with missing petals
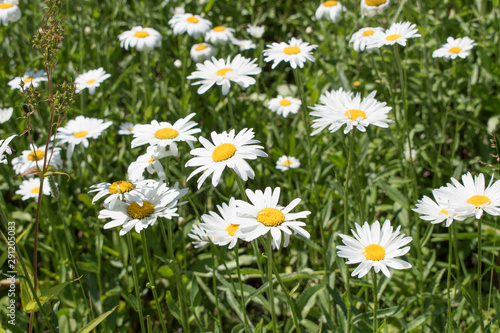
91, 80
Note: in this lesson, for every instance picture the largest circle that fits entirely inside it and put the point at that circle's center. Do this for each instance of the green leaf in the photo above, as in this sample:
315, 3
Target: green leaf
47, 295
93, 324
172, 306
389, 312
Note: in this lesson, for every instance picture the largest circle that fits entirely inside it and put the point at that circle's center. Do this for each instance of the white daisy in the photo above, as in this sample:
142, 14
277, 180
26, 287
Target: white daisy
264, 215
296, 52
222, 72
366, 39
79, 130
29, 78
453, 48
150, 162
199, 236
34, 156
330, 10
244, 44
165, 134
398, 33
219, 35
5, 149
9, 11
222, 229
373, 247
287, 162
5, 114
227, 150
352, 111
140, 38
121, 190
255, 31
284, 105
201, 52
126, 128
194, 25
437, 211
91, 80
30, 188
373, 7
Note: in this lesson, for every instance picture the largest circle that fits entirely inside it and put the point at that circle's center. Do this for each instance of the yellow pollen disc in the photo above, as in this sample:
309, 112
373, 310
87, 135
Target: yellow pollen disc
287, 163
166, 133
141, 34
330, 3
151, 160
355, 114
285, 102
374, 252
271, 217
393, 37
223, 152
131, 129
455, 49
124, 186
36, 155
232, 229
478, 200
192, 19
291, 50
201, 47
80, 134
375, 2
443, 211
219, 28
5, 6
356, 83
28, 79
35, 190
90, 81
367, 33
223, 72
137, 212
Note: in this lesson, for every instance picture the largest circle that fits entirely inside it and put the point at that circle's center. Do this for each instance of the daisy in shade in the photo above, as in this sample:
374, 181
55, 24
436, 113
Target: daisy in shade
244, 44
30, 78
471, 198
30, 188
453, 48
35, 156
199, 236
91, 80
284, 105
227, 150
352, 111
398, 33
80, 130
166, 134
120, 190
330, 10
5, 114
201, 52
264, 215
222, 229
296, 52
5, 149
126, 128
194, 25
9, 11
255, 31
150, 162
366, 39
373, 247
437, 211
219, 35
373, 7
222, 72
158, 201
285, 163
140, 38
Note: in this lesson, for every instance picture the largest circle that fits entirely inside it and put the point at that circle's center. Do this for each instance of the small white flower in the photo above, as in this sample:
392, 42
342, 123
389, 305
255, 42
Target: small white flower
140, 38
219, 35
30, 78
437, 211
366, 39
150, 162
194, 25
287, 162
284, 105
198, 236
398, 33
373, 7
222, 229
177, 63
201, 52
5, 114
5, 149
454, 48
126, 128
296, 52
255, 31
244, 44
330, 10
34, 156
30, 188
9, 11
120, 190
91, 80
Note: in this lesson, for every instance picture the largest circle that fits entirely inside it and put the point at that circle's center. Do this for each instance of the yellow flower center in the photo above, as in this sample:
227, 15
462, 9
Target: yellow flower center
223, 152
393, 37
219, 28
137, 212
285, 102
287, 163
151, 160
291, 50
367, 33
478, 200
36, 155
141, 34
443, 211
201, 47
271, 217
80, 134
374, 252
232, 229
166, 133
121, 186
223, 72
192, 19
375, 2
356, 83
5, 6
90, 81
455, 49
355, 114
35, 190
28, 79
330, 3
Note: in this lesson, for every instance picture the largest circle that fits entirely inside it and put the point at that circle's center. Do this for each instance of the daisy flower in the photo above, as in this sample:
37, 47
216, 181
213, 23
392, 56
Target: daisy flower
29, 78
264, 215
150, 162
255, 31
9, 11
296, 52
201, 52
222, 72
227, 150
199, 236
30, 188
140, 38
5, 114
366, 39
244, 44
120, 190
437, 211
79, 130
453, 48
219, 35
287, 162
165, 134
373, 247
373, 7
126, 128
194, 25
222, 229
91, 80
35, 156
398, 33
284, 105
5, 149
330, 10
352, 111
158, 201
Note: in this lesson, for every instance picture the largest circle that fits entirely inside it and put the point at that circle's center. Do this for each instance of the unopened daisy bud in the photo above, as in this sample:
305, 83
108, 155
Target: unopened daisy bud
54, 190
177, 63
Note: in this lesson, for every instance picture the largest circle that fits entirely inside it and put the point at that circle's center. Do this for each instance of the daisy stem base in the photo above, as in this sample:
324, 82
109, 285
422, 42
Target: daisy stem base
448, 283
269, 253
243, 307
214, 286
136, 281
375, 301
479, 274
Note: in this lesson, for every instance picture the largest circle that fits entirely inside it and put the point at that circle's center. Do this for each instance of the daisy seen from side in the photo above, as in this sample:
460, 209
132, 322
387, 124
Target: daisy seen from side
126, 128
30, 78
284, 105
366, 39
201, 52
198, 236
438, 210
398, 33
5, 114
255, 31
9, 11
150, 162
454, 48
34, 156
30, 188
123, 190
295, 52
91, 80
194, 25
222, 229
373, 7
219, 35
330, 10
285, 163
244, 44
140, 38
5, 149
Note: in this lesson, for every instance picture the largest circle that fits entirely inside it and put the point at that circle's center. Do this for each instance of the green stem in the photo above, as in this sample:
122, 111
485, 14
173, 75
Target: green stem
214, 286
269, 253
346, 220
241, 186
243, 307
144, 72
479, 273
136, 281
493, 264
375, 301
448, 283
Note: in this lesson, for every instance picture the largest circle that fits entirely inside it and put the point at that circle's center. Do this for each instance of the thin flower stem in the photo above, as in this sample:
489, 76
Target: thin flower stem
493, 264
136, 281
214, 285
269, 253
145, 78
375, 301
243, 307
346, 220
448, 283
230, 108
241, 186
479, 274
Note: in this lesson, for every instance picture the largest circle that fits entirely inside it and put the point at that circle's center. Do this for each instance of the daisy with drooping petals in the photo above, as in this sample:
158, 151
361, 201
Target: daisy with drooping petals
194, 25
219, 35
30, 78
91, 80
264, 215
150, 162
375, 247
255, 31
5, 149
330, 10
437, 211
79, 130
244, 44
296, 52
366, 39
227, 150
201, 52
126, 128
222, 72
284, 105
140, 38
5, 114
222, 229
398, 33
285, 163
453, 48
373, 7
30, 188
199, 236
34, 156
9, 11
120, 190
